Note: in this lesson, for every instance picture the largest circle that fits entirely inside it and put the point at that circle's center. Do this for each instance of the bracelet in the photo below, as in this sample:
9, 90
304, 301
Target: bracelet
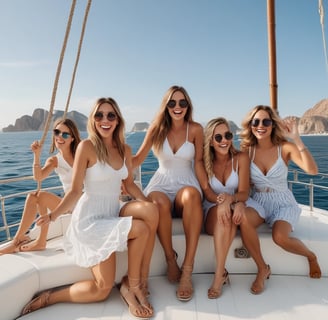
303, 149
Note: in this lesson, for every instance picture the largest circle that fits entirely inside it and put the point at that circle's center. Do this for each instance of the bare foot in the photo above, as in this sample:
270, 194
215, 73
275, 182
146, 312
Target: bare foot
32, 246
315, 271
14, 245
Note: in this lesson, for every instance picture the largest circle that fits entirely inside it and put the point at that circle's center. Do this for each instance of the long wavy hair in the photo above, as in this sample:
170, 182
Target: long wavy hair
118, 134
209, 152
163, 122
73, 130
247, 137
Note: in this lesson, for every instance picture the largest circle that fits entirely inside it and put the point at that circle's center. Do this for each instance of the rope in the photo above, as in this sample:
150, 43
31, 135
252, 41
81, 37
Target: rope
322, 22
87, 9
54, 91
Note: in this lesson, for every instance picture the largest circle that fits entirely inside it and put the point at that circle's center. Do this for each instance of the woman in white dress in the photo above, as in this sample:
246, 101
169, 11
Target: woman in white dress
264, 138
226, 192
177, 142
65, 139
99, 227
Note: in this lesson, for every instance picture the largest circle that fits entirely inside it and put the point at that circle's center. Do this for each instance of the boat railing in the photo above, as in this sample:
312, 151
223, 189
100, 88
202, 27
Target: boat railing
296, 178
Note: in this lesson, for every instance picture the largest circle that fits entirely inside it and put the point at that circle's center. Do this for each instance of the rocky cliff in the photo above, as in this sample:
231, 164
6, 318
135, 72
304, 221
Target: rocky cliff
37, 121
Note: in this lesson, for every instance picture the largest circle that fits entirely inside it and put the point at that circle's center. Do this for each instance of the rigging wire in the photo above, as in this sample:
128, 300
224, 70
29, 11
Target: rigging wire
322, 23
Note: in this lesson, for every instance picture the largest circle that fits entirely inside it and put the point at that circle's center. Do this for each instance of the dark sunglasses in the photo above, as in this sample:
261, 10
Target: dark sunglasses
228, 136
182, 103
64, 135
265, 122
111, 116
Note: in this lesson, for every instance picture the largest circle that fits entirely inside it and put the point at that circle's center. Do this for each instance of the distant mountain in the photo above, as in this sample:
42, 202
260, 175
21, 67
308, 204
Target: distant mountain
37, 121
140, 126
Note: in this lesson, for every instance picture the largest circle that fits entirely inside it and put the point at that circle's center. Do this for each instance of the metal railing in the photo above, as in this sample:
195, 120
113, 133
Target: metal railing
298, 178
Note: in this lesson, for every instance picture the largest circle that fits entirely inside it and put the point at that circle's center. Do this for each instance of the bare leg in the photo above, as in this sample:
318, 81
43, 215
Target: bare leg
281, 236
251, 241
164, 232
188, 203
223, 235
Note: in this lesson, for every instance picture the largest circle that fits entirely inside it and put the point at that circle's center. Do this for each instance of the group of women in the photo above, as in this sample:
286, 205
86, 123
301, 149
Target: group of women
202, 178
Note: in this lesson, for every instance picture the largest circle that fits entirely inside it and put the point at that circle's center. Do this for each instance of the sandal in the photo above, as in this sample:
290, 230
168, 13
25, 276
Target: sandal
185, 290
136, 308
214, 293
258, 284
14, 245
40, 301
173, 270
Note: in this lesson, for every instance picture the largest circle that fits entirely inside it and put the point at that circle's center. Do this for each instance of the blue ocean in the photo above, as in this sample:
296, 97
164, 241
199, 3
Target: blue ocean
16, 160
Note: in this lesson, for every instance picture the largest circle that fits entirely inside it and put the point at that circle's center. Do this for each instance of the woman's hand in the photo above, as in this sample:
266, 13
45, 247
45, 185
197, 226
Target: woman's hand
43, 220
291, 128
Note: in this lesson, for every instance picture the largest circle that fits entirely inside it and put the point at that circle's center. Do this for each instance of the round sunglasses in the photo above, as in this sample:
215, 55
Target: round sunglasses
111, 116
183, 103
63, 134
265, 122
227, 135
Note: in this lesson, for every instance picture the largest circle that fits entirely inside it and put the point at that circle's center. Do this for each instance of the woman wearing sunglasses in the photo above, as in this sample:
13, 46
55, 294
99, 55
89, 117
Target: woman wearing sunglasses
65, 139
271, 143
99, 225
226, 191
177, 142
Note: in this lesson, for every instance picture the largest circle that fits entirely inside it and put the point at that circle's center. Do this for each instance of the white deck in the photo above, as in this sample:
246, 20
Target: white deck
290, 293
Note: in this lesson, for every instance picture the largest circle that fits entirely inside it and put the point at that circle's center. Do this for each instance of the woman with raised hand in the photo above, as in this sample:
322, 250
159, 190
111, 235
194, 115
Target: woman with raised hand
271, 143
65, 139
99, 227
177, 142
226, 194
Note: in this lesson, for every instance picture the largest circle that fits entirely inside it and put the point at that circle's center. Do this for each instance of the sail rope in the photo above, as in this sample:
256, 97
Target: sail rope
322, 23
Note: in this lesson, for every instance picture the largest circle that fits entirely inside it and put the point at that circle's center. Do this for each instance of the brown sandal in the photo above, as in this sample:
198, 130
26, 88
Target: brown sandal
173, 270
40, 301
185, 290
214, 293
259, 283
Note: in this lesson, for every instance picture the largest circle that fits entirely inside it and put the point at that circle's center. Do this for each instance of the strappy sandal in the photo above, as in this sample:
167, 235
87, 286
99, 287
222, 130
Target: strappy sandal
14, 245
40, 301
259, 283
185, 290
173, 270
136, 308
214, 293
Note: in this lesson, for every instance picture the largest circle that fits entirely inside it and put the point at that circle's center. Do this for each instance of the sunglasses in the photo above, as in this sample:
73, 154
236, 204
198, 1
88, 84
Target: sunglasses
182, 103
228, 136
111, 116
265, 122
64, 135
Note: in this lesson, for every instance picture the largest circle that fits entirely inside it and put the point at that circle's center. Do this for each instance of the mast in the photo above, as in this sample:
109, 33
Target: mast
272, 54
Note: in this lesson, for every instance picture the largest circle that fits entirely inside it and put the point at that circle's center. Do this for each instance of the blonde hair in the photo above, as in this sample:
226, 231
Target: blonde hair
118, 134
209, 153
163, 122
247, 137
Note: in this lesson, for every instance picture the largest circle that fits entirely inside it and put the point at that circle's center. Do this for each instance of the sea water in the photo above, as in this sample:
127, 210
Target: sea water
16, 159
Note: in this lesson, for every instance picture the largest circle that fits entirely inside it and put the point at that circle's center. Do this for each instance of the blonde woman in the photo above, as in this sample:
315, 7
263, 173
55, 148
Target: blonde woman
226, 193
271, 143
99, 227
65, 139
177, 142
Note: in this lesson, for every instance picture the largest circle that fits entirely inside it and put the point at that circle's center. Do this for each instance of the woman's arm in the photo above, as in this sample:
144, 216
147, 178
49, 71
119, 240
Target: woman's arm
142, 153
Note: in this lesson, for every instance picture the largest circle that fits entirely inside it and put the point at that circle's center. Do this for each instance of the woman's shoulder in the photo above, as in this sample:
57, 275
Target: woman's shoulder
195, 127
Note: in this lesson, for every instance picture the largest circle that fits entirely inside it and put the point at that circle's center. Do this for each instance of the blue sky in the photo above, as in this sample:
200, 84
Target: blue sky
134, 50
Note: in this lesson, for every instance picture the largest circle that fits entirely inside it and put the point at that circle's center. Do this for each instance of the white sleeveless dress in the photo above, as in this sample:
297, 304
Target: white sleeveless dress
271, 191
230, 187
64, 171
175, 170
96, 230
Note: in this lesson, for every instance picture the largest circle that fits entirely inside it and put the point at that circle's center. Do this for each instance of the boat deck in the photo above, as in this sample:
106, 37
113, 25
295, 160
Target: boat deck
292, 298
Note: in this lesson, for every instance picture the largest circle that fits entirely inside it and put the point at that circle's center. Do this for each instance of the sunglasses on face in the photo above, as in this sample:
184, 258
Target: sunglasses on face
228, 136
265, 122
64, 135
111, 116
182, 103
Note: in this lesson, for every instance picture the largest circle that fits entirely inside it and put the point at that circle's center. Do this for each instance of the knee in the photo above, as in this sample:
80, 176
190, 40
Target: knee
152, 214
102, 291
278, 238
191, 196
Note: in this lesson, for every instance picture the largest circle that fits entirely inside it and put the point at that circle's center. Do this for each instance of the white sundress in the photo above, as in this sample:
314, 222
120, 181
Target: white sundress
96, 230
